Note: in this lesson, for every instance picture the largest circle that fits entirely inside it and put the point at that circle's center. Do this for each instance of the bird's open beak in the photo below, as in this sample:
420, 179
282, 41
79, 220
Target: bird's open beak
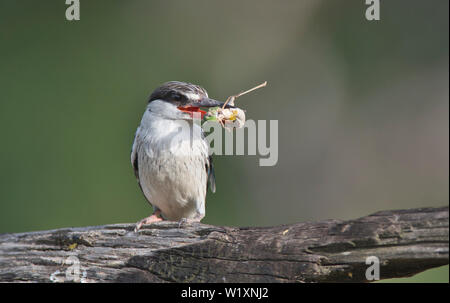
207, 102
194, 106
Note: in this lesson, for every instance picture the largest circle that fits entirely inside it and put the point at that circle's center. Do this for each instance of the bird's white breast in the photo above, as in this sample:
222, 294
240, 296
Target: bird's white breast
172, 156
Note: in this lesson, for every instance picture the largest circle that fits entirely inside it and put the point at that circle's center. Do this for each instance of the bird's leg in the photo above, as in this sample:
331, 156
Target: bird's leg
155, 217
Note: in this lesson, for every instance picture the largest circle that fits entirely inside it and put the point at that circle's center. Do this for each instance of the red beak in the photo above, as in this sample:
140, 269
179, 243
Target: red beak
191, 110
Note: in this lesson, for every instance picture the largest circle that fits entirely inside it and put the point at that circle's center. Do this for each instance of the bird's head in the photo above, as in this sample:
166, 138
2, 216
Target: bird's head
181, 99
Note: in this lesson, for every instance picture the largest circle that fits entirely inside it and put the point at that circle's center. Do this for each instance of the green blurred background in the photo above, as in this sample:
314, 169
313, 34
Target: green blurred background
363, 106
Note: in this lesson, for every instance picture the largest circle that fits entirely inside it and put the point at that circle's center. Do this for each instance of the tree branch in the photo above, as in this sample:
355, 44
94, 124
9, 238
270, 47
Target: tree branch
405, 241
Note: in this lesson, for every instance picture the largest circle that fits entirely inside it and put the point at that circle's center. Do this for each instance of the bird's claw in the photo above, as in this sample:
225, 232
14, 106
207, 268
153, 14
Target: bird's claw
153, 218
182, 222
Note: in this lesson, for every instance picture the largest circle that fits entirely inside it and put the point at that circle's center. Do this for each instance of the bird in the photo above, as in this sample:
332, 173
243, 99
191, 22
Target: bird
170, 154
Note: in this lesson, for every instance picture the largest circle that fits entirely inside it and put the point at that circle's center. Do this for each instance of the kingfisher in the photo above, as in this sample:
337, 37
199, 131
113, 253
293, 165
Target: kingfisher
170, 154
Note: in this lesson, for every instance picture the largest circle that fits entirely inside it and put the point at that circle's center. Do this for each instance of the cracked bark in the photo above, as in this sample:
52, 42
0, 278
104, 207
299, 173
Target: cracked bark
405, 241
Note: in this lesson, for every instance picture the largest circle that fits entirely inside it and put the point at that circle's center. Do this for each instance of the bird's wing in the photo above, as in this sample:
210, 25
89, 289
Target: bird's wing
211, 183
135, 164
134, 158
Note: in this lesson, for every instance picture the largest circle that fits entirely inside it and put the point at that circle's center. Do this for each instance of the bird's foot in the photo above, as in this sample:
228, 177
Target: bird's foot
155, 217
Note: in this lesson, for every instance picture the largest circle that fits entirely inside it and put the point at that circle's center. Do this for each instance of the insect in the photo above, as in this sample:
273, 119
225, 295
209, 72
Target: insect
227, 117
230, 117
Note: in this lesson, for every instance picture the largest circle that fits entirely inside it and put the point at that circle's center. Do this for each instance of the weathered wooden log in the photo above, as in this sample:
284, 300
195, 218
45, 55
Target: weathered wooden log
404, 241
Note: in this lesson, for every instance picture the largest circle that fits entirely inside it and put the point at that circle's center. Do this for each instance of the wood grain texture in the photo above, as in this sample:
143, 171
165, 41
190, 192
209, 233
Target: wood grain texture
405, 241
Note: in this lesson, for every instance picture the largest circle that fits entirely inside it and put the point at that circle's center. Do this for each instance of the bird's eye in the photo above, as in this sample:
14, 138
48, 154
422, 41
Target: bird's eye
177, 97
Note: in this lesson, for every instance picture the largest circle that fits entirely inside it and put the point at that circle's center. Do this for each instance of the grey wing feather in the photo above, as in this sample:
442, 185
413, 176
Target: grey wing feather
211, 182
135, 164
134, 158
211, 176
